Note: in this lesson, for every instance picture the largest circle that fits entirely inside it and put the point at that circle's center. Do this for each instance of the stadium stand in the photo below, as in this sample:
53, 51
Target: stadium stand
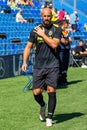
13, 35
81, 9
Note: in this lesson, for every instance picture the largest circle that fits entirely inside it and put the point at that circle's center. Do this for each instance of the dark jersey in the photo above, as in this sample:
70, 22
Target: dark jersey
45, 56
65, 36
79, 49
85, 46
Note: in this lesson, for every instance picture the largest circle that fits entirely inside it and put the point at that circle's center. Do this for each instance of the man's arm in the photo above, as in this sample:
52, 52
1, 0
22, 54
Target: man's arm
26, 55
52, 42
83, 53
66, 41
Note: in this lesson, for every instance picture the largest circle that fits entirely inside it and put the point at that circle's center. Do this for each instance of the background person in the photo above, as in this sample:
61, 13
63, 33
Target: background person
54, 14
61, 15
81, 51
19, 17
67, 16
64, 53
74, 21
12, 4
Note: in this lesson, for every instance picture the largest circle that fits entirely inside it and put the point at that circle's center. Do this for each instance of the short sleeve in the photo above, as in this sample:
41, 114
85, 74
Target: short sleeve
31, 37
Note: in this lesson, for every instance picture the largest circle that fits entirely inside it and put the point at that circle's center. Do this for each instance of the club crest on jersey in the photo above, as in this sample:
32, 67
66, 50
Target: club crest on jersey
50, 33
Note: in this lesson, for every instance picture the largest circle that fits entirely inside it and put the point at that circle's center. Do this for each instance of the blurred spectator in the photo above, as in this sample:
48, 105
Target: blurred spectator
22, 2
67, 16
17, 1
26, 2
12, 4
61, 14
31, 3
11, 7
74, 21
85, 26
81, 52
47, 2
19, 17
54, 14
42, 7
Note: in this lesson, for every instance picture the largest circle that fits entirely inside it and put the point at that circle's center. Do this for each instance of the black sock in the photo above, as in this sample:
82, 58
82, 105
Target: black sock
39, 99
51, 104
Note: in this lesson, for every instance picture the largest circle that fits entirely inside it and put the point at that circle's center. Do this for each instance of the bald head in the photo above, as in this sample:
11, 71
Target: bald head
46, 10
46, 16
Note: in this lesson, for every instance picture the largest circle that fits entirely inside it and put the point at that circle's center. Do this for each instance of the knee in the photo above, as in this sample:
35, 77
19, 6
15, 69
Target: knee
37, 91
50, 89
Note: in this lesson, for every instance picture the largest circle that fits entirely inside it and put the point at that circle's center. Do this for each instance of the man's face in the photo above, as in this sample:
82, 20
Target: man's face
80, 43
46, 17
65, 26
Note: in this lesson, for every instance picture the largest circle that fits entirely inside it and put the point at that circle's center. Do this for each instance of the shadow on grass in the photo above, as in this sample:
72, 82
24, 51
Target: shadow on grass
74, 82
64, 117
69, 83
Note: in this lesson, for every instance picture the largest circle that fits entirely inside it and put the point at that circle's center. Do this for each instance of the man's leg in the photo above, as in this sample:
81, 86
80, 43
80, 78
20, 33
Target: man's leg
38, 82
51, 104
38, 96
39, 99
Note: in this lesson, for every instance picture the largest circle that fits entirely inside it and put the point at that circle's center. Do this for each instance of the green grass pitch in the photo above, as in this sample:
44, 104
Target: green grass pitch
19, 111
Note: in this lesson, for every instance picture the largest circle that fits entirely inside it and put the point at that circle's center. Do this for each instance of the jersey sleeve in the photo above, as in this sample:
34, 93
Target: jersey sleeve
31, 37
58, 33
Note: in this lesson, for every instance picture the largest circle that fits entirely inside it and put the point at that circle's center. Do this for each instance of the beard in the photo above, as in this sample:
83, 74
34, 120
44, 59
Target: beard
46, 22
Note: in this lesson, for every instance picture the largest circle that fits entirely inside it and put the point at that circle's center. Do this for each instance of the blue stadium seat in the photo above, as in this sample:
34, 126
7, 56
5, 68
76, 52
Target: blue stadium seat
13, 29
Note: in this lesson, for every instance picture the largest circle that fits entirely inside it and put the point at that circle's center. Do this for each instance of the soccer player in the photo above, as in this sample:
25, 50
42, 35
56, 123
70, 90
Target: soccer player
46, 36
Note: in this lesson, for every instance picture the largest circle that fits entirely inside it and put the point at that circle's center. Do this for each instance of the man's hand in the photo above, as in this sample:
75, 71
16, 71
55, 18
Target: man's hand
24, 67
39, 31
52, 42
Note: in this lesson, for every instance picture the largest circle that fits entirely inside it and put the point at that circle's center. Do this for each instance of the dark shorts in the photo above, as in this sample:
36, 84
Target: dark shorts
45, 77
